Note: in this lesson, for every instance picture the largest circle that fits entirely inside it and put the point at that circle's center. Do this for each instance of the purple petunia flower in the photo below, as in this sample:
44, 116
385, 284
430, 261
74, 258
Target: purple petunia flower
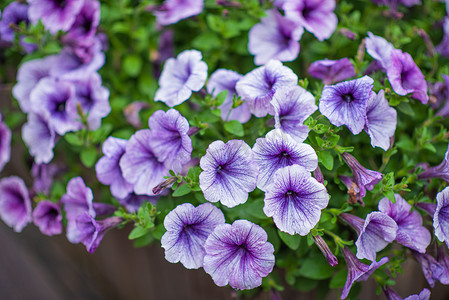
54, 99
324, 248
392, 295
15, 13
443, 47
275, 37
295, 200
226, 80
381, 121
443, 260
169, 139
140, 165
441, 216
93, 98
345, 103
278, 150
443, 96
77, 200
188, 227
28, 75
317, 16
411, 233
91, 231
180, 76
292, 106
229, 172
238, 254
375, 233
358, 271
47, 216
173, 11
43, 177
40, 137
332, 71
379, 49
405, 76
364, 178
258, 86
440, 171
108, 168
55, 15
5, 144
132, 111
83, 30
15, 203
432, 270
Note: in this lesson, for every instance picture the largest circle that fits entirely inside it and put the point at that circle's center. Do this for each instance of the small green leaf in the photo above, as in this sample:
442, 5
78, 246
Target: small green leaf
221, 97
406, 108
88, 156
316, 267
234, 127
137, 232
132, 65
292, 241
182, 190
217, 112
326, 159
74, 138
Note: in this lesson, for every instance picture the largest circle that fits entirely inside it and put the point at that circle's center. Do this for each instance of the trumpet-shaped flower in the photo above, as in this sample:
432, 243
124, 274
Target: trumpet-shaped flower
15, 203
332, 71
47, 216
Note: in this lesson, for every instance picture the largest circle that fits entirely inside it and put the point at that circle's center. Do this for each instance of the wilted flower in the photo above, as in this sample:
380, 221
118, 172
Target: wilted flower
188, 227
433, 271
169, 139
278, 150
172, 11
295, 200
345, 103
238, 254
332, 71
47, 216
258, 86
440, 171
229, 172
411, 233
292, 106
5, 144
324, 248
180, 76
275, 37
353, 190
15, 203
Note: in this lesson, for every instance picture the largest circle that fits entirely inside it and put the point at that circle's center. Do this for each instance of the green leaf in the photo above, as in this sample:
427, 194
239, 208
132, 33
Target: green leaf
74, 138
234, 127
182, 190
255, 209
217, 112
143, 240
132, 65
316, 267
292, 241
88, 156
221, 97
339, 279
207, 41
305, 284
406, 108
137, 232
326, 159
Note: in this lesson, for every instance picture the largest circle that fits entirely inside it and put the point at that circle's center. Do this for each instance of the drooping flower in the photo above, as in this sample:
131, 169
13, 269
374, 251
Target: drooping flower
379, 49
47, 216
180, 76
443, 47
364, 178
375, 233
353, 190
295, 200
440, 171
292, 106
15, 203
28, 75
411, 233
317, 16
226, 80
229, 172
405, 77
275, 37
91, 231
169, 138
188, 227
358, 271
345, 103
444, 97
173, 11
443, 260
332, 71
84, 27
441, 216
258, 86
40, 137
238, 254
53, 98
108, 168
278, 150
5, 144
432, 270
55, 15
392, 295
93, 98
324, 248
140, 165
15, 13
43, 175
381, 121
